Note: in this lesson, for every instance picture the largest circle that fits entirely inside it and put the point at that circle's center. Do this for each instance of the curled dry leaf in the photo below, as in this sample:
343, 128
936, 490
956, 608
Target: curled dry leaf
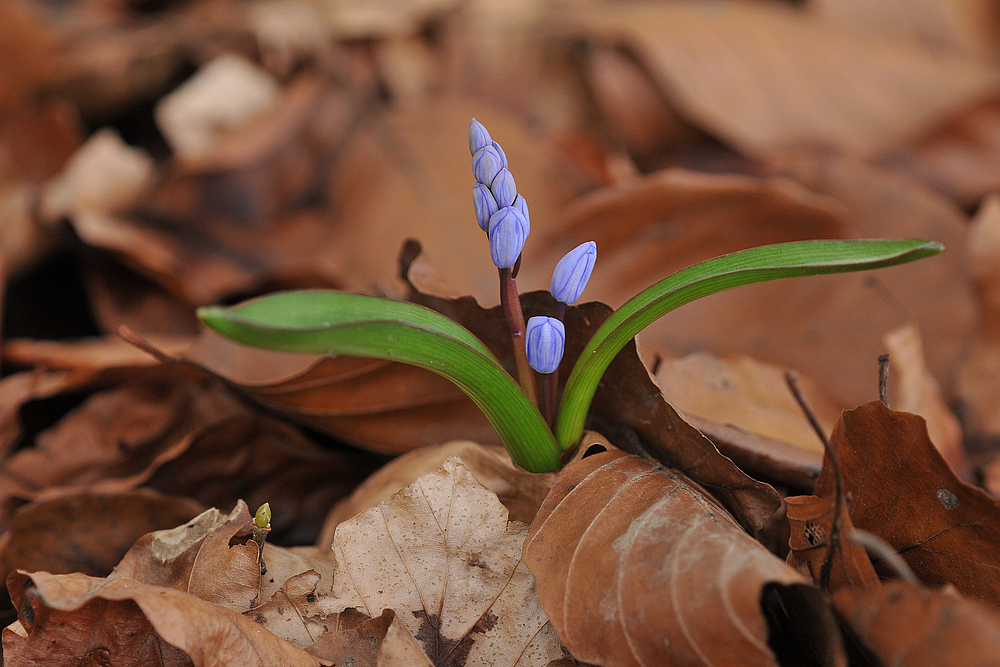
918, 392
124, 622
810, 521
903, 624
904, 492
521, 492
198, 558
674, 577
441, 554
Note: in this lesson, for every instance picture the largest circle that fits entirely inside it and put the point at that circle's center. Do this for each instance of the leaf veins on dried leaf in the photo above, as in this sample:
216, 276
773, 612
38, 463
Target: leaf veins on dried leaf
441, 554
636, 565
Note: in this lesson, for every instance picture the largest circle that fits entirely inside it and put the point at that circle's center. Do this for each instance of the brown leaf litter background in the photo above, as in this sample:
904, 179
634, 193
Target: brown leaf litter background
159, 155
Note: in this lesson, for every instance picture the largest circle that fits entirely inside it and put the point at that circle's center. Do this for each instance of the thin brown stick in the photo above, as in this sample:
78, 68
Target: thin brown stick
883, 379
838, 499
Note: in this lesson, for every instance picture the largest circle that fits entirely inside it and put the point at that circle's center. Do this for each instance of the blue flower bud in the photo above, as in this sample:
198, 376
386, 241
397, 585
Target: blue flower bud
508, 232
545, 341
504, 190
522, 206
503, 156
478, 136
572, 272
485, 205
486, 164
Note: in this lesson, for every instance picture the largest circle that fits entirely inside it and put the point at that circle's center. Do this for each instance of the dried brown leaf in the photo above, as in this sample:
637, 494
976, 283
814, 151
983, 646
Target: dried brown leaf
765, 77
125, 622
200, 558
441, 554
903, 491
636, 565
902, 624
87, 532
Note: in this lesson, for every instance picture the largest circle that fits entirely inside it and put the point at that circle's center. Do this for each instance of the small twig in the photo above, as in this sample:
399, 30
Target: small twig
883, 379
878, 547
838, 499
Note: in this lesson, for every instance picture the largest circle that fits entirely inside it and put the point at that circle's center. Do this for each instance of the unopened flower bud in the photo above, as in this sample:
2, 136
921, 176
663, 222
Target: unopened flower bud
478, 136
522, 206
572, 272
508, 232
486, 164
545, 341
504, 190
503, 156
485, 205
262, 518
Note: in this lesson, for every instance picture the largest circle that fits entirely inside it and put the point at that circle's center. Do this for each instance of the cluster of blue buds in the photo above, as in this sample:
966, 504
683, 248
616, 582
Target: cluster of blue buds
501, 212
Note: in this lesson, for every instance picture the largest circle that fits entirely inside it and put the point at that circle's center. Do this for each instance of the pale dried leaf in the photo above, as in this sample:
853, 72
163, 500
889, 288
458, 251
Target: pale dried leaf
224, 94
441, 555
918, 392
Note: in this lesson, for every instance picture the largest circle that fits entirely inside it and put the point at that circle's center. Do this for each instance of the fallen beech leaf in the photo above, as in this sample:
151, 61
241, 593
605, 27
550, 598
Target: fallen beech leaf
520, 492
746, 393
745, 408
810, 520
197, 558
903, 491
765, 77
441, 554
918, 392
674, 577
121, 621
902, 624
87, 532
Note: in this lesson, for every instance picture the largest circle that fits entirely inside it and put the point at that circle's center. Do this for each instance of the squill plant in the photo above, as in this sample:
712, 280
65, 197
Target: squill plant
536, 431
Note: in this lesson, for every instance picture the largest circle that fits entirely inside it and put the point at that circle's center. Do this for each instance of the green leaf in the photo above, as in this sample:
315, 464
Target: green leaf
783, 260
327, 322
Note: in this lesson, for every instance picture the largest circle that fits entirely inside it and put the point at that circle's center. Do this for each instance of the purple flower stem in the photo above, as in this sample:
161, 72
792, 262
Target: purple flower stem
511, 303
